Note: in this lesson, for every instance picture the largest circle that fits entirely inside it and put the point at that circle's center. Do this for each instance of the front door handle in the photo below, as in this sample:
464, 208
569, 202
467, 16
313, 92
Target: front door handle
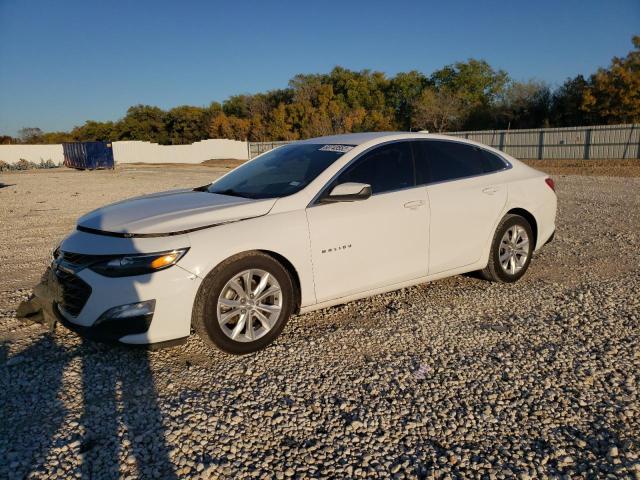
490, 190
414, 204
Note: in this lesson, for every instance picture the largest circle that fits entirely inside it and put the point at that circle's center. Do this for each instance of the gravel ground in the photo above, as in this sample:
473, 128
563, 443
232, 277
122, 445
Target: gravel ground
457, 378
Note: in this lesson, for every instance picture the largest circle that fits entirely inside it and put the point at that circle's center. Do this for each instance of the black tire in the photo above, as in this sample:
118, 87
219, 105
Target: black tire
205, 310
494, 271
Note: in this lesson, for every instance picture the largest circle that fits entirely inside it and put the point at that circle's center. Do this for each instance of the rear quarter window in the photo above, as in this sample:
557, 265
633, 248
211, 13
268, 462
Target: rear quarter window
491, 161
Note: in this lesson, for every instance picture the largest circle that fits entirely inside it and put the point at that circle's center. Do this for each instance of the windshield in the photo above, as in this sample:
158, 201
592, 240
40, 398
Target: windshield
279, 172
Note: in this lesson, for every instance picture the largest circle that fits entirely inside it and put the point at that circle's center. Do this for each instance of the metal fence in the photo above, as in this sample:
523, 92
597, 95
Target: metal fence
256, 148
571, 143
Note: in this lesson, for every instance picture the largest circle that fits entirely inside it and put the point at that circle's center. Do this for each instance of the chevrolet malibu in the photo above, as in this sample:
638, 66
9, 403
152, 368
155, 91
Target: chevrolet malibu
306, 226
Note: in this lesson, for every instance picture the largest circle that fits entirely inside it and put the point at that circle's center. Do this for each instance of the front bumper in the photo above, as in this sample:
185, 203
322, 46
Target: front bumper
173, 291
107, 335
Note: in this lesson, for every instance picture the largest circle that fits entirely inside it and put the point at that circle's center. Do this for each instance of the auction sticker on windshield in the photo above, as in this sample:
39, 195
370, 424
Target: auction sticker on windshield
336, 148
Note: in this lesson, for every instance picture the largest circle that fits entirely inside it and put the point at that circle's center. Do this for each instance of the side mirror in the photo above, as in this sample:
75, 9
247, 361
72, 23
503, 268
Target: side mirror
348, 192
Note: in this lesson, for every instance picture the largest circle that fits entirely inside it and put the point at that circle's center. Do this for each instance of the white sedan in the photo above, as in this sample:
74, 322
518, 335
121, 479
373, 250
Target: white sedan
308, 225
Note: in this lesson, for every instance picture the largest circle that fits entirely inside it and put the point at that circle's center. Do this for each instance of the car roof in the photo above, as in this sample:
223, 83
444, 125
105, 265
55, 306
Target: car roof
364, 137
355, 138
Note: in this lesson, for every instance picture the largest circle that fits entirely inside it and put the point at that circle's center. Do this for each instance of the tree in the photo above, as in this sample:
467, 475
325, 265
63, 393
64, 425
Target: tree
187, 124
30, 135
258, 129
613, 95
143, 122
438, 110
404, 90
279, 125
237, 106
57, 137
475, 82
566, 104
229, 127
524, 105
94, 132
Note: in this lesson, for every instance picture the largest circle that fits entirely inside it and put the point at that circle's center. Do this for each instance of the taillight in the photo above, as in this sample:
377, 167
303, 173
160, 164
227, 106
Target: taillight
549, 181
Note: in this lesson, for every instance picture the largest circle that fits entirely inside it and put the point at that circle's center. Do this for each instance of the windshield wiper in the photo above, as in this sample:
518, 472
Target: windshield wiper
231, 192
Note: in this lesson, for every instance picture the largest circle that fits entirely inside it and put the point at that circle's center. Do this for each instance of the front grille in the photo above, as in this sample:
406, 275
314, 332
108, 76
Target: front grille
80, 259
75, 292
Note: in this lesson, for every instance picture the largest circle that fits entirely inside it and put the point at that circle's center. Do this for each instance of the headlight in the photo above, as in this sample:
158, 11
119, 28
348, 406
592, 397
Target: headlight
138, 264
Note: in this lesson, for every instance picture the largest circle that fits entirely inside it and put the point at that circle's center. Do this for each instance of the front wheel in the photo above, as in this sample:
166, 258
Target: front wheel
511, 250
244, 303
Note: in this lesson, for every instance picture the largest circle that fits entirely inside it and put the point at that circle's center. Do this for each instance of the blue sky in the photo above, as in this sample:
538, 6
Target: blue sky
64, 62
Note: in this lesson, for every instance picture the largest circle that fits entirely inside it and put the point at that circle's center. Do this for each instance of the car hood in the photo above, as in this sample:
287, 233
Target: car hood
176, 211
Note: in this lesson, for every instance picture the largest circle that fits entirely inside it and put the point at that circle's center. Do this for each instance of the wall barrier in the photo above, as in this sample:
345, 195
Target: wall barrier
146, 152
33, 153
136, 151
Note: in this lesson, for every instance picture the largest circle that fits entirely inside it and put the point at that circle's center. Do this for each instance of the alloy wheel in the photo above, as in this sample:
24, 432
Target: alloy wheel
249, 305
514, 249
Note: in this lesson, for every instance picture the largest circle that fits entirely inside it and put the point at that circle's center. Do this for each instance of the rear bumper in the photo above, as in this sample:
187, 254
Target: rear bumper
545, 216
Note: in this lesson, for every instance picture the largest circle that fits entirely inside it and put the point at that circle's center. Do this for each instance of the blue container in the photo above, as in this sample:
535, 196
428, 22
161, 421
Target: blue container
88, 155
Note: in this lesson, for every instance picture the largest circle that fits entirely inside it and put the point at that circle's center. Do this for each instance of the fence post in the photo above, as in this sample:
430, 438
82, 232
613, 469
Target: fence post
501, 145
541, 145
587, 144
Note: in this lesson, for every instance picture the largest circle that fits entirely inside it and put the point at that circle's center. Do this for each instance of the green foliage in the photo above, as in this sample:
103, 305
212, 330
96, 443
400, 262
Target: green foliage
464, 95
23, 164
56, 137
566, 104
47, 163
187, 124
613, 94
475, 82
95, 131
30, 135
524, 105
438, 110
402, 94
142, 122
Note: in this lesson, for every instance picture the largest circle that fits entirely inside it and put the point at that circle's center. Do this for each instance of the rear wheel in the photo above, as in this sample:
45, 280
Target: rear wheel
244, 303
511, 250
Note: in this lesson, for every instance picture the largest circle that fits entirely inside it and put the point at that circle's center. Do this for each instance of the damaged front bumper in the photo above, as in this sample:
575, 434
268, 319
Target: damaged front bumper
104, 320
43, 307
40, 308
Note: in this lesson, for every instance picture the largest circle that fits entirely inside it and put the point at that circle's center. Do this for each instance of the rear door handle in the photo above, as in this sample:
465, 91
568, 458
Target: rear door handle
414, 204
490, 190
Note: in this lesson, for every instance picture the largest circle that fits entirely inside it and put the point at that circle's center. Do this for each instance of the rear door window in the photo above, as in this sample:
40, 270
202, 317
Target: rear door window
386, 168
440, 161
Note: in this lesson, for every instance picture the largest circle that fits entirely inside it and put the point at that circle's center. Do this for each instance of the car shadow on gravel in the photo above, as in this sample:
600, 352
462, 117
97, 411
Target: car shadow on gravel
120, 427
33, 407
121, 414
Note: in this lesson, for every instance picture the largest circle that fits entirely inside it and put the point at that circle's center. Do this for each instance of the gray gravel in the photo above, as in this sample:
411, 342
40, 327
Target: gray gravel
458, 378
